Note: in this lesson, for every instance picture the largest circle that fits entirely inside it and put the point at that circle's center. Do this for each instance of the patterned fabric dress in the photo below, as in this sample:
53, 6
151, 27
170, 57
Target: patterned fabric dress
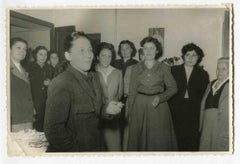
150, 129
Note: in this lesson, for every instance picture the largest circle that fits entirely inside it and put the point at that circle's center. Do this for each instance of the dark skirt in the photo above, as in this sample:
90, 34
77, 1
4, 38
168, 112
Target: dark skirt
150, 129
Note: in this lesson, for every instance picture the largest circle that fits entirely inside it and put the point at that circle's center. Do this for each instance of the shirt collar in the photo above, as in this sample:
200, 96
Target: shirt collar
219, 86
109, 70
15, 63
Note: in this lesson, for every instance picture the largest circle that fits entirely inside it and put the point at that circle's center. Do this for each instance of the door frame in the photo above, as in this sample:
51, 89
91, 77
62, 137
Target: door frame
34, 20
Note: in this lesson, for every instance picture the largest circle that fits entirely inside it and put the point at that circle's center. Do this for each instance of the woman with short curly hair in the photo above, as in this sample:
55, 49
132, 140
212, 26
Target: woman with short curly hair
191, 81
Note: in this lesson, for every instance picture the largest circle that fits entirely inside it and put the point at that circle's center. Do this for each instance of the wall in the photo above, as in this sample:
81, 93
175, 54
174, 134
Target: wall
201, 26
90, 21
34, 38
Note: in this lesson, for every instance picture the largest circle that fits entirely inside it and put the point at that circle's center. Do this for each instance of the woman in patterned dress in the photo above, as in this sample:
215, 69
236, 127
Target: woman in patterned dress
151, 84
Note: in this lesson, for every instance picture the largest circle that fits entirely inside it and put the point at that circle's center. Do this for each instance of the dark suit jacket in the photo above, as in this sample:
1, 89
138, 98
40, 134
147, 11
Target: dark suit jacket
196, 85
72, 111
21, 98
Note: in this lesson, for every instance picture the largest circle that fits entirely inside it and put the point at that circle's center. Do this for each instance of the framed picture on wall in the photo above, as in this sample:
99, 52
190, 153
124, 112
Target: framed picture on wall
157, 33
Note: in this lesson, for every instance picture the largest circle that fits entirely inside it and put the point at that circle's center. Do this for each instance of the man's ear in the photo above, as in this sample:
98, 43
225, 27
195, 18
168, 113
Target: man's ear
67, 56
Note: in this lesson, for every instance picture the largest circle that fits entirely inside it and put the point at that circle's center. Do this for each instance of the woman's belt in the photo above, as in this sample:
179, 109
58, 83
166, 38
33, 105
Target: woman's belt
149, 94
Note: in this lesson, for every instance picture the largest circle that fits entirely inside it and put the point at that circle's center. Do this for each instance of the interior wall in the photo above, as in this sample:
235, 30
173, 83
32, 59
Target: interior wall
88, 20
34, 38
202, 27
182, 26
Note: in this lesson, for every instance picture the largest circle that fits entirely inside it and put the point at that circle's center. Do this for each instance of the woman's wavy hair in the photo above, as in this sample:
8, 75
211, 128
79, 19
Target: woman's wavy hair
156, 43
191, 47
108, 46
37, 49
134, 50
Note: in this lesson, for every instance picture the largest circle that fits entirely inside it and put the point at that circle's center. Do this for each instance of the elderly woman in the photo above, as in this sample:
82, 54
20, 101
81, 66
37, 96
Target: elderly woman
151, 84
112, 84
214, 121
191, 81
39, 75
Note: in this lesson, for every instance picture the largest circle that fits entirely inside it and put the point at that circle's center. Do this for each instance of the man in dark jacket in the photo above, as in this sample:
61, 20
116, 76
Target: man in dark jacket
75, 102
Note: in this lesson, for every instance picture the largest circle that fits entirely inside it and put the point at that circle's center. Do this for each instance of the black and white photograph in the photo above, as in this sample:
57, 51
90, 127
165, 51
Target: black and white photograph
120, 80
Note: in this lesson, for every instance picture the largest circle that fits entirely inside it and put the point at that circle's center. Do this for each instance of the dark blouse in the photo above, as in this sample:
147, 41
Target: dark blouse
37, 75
212, 101
120, 64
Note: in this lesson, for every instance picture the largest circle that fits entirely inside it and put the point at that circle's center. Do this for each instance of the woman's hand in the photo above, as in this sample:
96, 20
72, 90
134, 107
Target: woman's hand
46, 82
155, 101
114, 107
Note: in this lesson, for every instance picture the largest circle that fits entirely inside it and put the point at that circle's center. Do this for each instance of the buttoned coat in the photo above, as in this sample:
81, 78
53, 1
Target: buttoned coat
20, 96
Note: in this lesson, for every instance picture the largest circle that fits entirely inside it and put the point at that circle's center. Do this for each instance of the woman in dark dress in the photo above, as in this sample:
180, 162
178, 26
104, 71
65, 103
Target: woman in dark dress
151, 84
39, 75
191, 81
126, 50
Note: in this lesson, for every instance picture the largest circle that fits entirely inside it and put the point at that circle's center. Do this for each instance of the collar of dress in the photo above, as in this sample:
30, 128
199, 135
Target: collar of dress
106, 73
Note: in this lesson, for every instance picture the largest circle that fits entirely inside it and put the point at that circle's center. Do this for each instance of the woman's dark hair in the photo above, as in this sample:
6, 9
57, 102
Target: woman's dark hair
108, 46
134, 51
191, 47
15, 40
53, 52
140, 52
156, 43
37, 49
71, 37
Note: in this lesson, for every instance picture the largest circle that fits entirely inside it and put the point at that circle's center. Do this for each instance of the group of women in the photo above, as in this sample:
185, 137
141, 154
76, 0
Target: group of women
165, 108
